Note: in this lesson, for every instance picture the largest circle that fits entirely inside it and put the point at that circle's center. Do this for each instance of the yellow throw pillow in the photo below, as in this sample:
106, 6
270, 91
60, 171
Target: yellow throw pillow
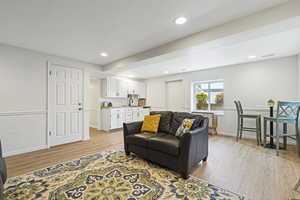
151, 123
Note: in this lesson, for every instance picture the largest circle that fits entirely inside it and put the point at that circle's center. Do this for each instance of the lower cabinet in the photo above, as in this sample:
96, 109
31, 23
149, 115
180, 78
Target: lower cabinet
113, 118
117, 117
137, 115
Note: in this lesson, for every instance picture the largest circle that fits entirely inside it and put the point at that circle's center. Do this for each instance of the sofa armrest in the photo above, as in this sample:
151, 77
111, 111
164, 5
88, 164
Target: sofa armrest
3, 174
186, 138
3, 170
194, 146
1, 190
132, 128
129, 129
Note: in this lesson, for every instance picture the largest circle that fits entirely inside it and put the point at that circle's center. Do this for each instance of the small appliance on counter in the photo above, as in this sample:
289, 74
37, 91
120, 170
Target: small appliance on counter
106, 104
142, 102
133, 99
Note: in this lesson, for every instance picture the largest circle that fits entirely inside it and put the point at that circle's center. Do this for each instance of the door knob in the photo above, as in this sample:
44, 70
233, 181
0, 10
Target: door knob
79, 109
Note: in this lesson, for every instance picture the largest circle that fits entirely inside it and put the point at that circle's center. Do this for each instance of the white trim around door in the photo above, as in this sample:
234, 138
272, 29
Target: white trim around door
65, 116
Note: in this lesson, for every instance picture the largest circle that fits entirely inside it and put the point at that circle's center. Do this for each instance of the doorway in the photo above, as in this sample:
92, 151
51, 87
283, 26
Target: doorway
93, 104
175, 96
65, 104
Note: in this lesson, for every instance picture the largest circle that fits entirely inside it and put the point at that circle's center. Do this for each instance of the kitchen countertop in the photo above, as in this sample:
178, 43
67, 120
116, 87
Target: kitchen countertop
125, 107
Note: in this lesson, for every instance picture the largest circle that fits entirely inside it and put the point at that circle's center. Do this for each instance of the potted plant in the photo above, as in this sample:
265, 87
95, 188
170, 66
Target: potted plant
218, 102
220, 99
271, 103
202, 101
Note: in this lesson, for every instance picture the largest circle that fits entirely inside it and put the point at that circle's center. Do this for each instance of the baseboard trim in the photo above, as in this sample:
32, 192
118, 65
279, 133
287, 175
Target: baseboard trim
253, 136
25, 150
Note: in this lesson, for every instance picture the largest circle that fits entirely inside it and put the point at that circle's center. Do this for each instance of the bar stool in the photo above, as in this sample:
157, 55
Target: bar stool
287, 113
240, 123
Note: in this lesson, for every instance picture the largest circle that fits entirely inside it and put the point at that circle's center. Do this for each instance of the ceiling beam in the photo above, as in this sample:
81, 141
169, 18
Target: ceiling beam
251, 22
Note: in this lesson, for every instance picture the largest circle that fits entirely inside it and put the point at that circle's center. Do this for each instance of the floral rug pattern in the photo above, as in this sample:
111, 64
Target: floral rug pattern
111, 175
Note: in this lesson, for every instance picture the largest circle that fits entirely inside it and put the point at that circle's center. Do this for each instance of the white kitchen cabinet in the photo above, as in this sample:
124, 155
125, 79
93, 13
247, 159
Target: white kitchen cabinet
138, 114
128, 116
123, 88
141, 89
109, 87
146, 111
114, 87
131, 87
113, 118
113, 121
137, 87
134, 114
117, 118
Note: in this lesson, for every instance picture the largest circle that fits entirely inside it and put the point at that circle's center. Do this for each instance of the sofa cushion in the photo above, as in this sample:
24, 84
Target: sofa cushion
140, 139
165, 120
178, 118
168, 144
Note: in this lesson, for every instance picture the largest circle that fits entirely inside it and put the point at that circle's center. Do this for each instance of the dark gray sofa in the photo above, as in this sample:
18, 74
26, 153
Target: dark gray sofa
3, 173
181, 154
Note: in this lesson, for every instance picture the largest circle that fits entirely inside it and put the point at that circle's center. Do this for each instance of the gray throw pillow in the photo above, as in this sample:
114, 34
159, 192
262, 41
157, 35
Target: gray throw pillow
185, 127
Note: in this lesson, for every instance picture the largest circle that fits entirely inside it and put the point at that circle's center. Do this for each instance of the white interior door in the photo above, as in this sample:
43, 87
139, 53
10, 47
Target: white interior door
175, 96
65, 102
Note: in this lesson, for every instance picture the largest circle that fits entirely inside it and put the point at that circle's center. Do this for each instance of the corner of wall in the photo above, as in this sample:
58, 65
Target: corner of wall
299, 76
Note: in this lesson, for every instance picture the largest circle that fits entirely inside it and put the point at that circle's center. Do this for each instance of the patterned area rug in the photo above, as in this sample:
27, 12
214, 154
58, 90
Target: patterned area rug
111, 175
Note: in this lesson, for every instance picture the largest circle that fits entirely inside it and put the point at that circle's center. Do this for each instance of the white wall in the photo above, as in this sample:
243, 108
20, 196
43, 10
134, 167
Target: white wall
93, 101
299, 76
23, 92
252, 83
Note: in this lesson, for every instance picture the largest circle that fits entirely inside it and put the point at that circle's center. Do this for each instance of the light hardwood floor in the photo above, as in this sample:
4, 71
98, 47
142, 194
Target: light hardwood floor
241, 167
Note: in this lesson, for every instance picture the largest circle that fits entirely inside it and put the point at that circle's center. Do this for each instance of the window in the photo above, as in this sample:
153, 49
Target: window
208, 95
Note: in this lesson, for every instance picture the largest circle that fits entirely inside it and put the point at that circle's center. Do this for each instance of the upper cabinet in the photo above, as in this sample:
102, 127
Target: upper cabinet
141, 89
114, 87
111, 87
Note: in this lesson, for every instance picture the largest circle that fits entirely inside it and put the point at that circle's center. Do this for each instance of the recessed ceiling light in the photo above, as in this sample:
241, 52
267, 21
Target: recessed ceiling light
104, 54
180, 20
130, 76
166, 72
251, 57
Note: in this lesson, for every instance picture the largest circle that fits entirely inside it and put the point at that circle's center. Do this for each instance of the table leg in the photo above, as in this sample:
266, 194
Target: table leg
284, 138
271, 128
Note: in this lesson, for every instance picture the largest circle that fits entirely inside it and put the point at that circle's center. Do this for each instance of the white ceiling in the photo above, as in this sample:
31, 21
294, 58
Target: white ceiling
82, 29
273, 41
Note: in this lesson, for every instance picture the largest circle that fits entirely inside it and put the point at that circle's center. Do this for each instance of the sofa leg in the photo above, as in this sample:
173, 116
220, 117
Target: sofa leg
184, 175
127, 153
204, 159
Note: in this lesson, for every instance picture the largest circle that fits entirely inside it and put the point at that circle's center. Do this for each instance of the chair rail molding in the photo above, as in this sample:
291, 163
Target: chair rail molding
25, 112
